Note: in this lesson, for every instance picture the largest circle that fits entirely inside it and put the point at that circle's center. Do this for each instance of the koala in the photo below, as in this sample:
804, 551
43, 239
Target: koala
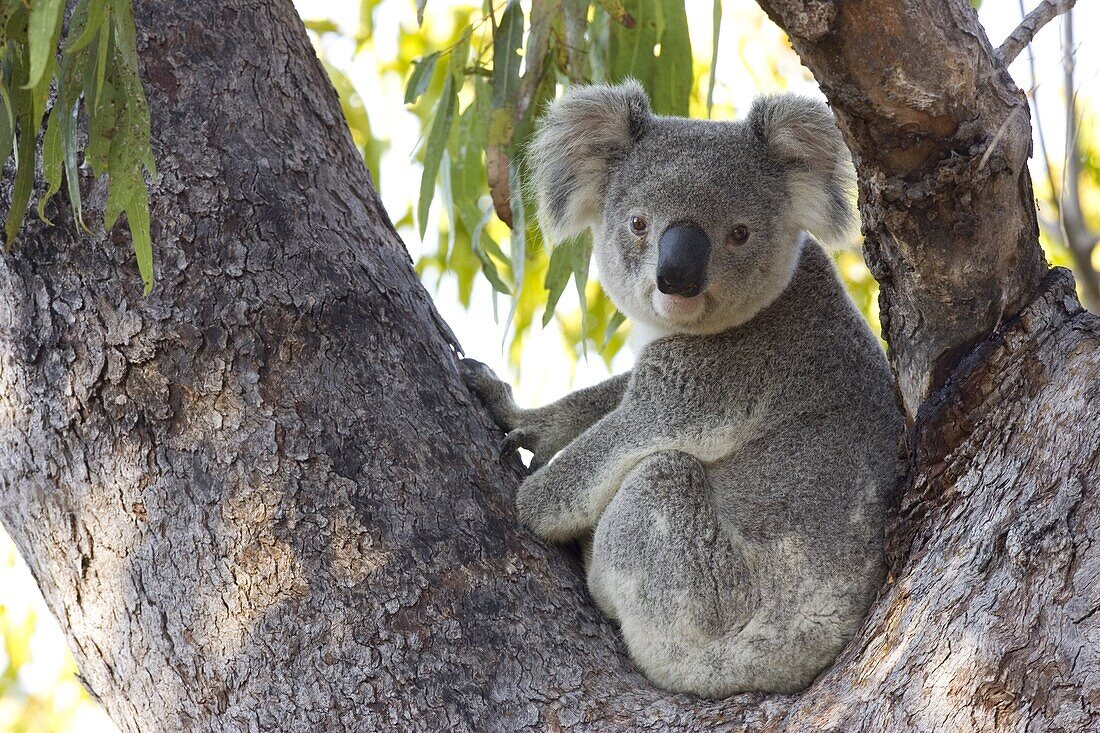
732, 486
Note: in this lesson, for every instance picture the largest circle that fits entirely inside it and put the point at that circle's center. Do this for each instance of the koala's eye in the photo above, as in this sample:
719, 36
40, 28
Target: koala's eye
739, 234
639, 225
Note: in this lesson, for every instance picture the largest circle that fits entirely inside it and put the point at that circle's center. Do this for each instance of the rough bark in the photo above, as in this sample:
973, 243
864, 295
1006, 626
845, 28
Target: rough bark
261, 499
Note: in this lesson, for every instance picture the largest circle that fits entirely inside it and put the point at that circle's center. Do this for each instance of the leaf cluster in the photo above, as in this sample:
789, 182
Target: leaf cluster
78, 77
480, 97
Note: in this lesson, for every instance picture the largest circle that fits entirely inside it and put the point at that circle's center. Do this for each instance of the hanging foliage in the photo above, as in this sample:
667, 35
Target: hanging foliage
519, 63
96, 87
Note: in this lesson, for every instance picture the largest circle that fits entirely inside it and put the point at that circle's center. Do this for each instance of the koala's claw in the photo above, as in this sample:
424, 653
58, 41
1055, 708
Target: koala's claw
514, 440
494, 393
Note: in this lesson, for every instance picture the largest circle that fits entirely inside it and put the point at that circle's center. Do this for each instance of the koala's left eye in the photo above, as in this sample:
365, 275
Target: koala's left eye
638, 225
739, 234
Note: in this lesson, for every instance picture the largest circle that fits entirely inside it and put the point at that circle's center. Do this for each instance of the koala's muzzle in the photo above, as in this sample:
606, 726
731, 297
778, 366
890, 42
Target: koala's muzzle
682, 256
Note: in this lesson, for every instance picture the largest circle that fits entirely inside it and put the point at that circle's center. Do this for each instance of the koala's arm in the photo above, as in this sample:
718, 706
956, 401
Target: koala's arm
564, 499
546, 430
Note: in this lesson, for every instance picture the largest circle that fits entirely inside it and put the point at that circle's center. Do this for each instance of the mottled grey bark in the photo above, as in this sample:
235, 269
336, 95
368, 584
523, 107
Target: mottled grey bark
262, 500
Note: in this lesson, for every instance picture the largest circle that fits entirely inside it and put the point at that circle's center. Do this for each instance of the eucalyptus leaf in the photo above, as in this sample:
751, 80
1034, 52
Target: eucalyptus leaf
7, 123
51, 161
433, 150
420, 77
715, 35
24, 173
519, 242
613, 324
43, 26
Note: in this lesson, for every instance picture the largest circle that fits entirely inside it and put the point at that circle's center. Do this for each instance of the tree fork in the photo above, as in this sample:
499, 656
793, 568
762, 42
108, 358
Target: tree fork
261, 499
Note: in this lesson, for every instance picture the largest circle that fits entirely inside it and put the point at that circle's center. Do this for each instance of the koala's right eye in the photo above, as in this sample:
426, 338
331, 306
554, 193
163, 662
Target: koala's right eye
638, 225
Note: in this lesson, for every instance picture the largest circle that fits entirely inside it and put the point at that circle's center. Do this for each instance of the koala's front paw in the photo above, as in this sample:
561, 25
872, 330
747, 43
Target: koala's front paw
495, 394
536, 435
535, 505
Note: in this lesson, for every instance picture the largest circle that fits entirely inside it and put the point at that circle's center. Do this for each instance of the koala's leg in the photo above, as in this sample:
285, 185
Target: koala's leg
694, 615
563, 500
544, 431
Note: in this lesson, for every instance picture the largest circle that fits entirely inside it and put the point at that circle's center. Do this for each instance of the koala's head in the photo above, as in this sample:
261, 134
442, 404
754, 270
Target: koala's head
697, 224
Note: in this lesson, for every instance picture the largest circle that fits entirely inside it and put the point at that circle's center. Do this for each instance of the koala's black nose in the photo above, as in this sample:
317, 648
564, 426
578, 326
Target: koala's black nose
682, 256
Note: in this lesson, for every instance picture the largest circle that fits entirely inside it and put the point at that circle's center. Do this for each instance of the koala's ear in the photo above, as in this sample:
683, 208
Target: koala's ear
578, 140
802, 133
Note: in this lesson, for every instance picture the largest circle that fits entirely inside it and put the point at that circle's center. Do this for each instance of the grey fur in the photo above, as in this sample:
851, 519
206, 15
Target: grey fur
734, 483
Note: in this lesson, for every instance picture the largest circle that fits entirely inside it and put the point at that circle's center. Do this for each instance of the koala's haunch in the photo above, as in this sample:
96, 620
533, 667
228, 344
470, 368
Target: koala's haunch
733, 483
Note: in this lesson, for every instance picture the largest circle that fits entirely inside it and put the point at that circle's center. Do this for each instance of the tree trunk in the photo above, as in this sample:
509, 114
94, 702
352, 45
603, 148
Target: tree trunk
262, 500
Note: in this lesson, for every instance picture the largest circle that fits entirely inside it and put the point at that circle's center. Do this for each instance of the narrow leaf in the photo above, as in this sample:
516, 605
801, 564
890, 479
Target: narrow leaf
488, 267
7, 123
716, 29
420, 77
51, 161
613, 324
89, 25
43, 27
519, 242
506, 59
617, 10
24, 173
672, 74
502, 118
557, 276
137, 216
433, 150
631, 49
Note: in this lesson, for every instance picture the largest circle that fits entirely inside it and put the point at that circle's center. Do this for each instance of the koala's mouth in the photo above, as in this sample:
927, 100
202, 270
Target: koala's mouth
677, 308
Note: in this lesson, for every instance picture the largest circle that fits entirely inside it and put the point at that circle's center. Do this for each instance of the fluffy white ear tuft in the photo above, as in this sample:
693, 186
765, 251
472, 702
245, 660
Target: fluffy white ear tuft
801, 133
578, 140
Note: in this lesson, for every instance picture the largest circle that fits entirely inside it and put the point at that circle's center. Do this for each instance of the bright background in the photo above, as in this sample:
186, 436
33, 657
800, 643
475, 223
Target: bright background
39, 692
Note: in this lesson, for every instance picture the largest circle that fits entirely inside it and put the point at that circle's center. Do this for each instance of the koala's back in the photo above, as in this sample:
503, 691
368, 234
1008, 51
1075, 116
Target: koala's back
793, 420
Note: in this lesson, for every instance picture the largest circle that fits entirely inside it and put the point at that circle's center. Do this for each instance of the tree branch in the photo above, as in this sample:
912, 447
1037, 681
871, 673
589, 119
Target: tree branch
1046, 11
941, 140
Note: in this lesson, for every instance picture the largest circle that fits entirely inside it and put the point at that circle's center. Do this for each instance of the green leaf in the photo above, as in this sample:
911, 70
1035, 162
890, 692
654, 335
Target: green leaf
420, 77
321, 26
672, 77
557, 276
613, 324
502, 117
618, 12
519, 242
43, 28
89, 17
582, 256
137, 215
7, 123
103, 49
716, 32
433, 150
24, 173
51, 161
506, 58
488, 267
631, 49
448, 198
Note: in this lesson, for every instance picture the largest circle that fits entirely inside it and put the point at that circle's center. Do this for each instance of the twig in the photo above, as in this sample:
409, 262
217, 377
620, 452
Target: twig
1046, 11
1075, 231
1033, 93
